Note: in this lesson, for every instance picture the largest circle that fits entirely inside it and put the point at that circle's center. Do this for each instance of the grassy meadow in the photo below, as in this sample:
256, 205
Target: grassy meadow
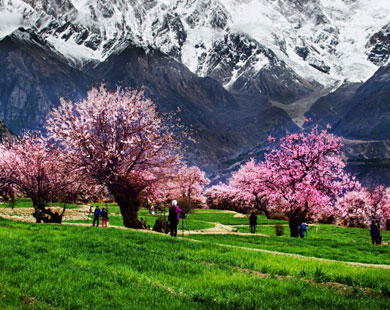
80, 267
67, 267
27, 203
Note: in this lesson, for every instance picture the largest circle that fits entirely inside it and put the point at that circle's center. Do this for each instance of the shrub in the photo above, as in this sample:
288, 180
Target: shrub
279, 230
161, 225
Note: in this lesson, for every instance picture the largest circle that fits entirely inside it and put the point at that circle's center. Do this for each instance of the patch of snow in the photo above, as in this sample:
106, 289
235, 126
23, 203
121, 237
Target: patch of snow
76, 53
9, 22
334, 32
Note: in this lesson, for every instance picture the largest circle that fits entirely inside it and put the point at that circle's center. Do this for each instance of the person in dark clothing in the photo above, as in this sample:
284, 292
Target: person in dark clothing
96, 216
253, 222
104, 217
174, 218
374, 233
378, 224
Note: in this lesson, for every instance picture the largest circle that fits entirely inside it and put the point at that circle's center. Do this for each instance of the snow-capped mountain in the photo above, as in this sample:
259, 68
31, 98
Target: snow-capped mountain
314, 42
239, 70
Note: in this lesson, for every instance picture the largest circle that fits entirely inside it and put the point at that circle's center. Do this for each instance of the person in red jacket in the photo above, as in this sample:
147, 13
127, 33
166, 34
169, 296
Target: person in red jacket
104, 216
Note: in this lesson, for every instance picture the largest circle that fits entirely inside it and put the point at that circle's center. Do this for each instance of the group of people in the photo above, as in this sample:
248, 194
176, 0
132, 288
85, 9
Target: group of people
174, 218
97, 214
375, 231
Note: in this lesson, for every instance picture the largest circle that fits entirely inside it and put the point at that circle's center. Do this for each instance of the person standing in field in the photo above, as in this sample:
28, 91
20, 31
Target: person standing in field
253, 222
104, 217
378, 224
388, 224
174, 218
302, 230
374, 232
96, 216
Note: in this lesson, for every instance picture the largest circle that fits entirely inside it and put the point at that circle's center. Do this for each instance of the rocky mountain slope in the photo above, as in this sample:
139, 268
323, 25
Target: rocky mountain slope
222, 124
239, 70
33, 78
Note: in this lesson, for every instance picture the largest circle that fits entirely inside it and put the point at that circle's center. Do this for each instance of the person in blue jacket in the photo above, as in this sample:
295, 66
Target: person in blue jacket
302, 230
96, 216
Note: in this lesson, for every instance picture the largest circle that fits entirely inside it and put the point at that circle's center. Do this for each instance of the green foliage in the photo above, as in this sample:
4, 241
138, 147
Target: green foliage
319, 275
27, 203
189, 224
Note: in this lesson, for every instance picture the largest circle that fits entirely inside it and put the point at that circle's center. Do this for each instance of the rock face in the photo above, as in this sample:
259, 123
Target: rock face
379, 46
245, 66
5, 133
369, 118
332, 108
368, 161
222, 124
33, 80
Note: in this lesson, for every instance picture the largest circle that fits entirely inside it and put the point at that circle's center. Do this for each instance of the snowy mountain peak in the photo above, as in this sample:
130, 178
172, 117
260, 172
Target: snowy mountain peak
318, 41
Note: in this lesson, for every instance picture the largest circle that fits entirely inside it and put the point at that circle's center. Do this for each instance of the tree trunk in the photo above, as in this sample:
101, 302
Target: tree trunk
293, 228
44, 215
129, 205
261, 204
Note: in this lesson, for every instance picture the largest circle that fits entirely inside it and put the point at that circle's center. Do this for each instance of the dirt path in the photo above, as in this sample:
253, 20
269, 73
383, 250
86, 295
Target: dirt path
383, 266
219, 229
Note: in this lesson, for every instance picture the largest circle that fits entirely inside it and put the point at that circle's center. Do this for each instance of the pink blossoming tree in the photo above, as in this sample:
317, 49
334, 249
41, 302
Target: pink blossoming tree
7, 173
357, 208
305, 176
223, 197
38, 173
250, 187
189, 183
119, 140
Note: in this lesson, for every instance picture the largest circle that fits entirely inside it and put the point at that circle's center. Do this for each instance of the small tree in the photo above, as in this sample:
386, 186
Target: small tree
7, 173
305, 176
38, 173
359, 207
354, 208
119, 140
188, 185
250, 187
223, 197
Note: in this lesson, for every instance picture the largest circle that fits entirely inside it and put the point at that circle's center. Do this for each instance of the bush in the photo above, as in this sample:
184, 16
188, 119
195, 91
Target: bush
279, 230
187, 205
161, 225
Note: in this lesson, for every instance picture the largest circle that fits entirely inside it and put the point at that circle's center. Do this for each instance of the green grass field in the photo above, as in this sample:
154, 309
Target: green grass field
66, 267
125, 269
228, 218
27, 203
150, 220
